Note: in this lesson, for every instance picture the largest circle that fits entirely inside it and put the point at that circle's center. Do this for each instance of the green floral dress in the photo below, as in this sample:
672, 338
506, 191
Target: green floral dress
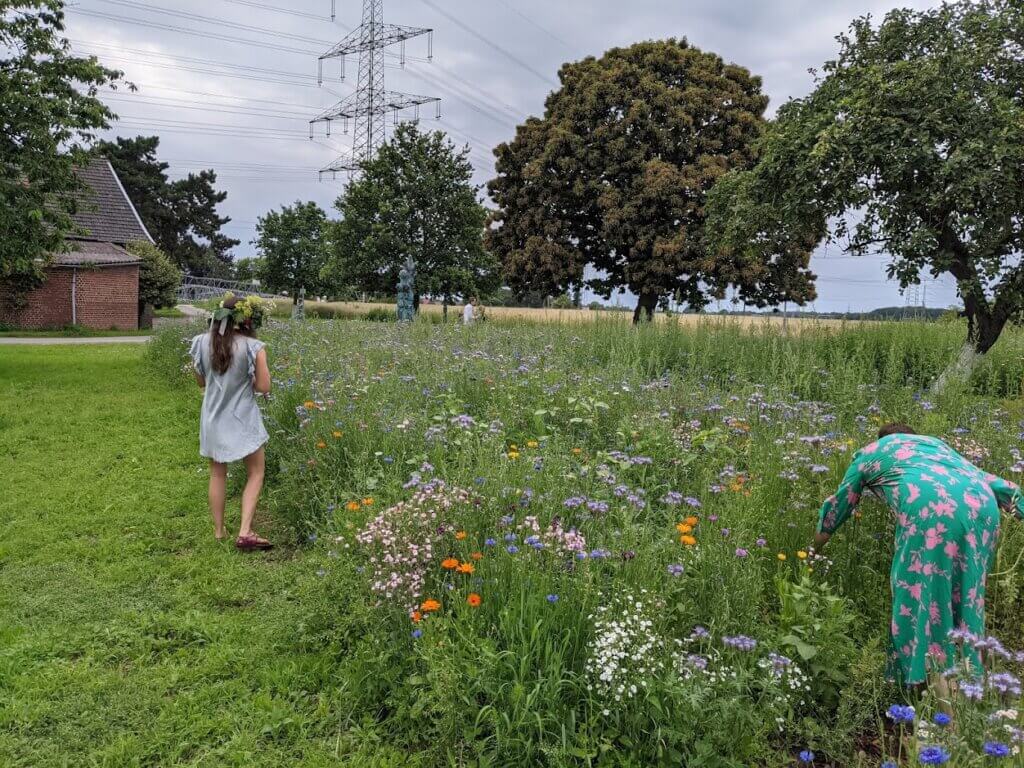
947, 521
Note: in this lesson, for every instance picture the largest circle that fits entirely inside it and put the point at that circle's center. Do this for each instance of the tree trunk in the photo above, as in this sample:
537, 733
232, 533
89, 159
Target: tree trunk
645, 307
145, 316
958, 370
983, 332
444, 309
416, 301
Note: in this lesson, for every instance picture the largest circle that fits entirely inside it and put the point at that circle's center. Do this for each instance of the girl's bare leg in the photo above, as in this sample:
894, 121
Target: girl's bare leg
218, 484
254, 464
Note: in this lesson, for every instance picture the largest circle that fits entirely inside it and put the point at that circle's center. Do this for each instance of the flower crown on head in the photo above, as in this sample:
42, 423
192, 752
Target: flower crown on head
247, 313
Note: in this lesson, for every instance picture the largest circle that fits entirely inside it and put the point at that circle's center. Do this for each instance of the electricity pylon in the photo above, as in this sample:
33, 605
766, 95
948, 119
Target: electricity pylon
371, 102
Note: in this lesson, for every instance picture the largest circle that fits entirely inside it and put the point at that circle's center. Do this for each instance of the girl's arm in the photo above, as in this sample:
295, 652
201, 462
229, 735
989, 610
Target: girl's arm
838, 508
1007, 494
261, 381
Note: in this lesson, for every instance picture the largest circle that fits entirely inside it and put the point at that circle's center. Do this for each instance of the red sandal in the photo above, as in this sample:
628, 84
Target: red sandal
252, 542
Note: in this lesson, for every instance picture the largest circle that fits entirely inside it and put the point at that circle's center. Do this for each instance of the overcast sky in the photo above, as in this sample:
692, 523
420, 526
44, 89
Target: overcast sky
231, 84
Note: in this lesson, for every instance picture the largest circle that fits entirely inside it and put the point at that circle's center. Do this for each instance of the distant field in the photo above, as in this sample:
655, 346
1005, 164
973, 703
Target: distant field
360, 309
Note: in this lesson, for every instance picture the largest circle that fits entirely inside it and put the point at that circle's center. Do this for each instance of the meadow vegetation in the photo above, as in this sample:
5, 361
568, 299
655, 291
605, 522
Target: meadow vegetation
588, 544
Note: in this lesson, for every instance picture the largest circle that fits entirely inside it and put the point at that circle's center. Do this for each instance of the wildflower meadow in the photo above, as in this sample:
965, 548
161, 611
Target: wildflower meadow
589, 545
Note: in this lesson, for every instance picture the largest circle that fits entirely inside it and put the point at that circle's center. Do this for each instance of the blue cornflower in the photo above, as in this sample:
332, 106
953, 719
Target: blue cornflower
942, 718
996, 749
889, 764
933, 756
552, 598
511, 549
489, 542
806, 756
417, 633
900, 714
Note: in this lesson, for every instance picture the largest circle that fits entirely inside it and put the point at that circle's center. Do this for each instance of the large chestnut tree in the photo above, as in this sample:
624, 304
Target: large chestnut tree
608, 189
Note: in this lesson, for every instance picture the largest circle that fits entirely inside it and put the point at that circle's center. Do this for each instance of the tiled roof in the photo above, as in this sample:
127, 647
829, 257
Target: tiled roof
105, 213
99, 254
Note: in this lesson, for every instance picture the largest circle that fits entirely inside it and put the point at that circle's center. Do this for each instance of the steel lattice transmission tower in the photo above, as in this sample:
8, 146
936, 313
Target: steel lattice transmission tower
371, 102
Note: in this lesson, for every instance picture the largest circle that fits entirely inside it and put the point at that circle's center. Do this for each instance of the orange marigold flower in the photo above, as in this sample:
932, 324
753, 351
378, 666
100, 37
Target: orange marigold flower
466, 568
309, 405
449, 563
416, 616
368, 501
460, 535
477, 555
429, 606
473, 599
684, 528
352, 506
687, 540
321, 444
577, 451
692, 520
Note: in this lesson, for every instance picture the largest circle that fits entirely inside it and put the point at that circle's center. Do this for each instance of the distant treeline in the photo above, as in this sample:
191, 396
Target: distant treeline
882, 313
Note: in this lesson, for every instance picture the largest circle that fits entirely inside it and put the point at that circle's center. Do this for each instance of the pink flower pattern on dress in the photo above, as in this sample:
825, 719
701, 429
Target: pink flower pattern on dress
947, 516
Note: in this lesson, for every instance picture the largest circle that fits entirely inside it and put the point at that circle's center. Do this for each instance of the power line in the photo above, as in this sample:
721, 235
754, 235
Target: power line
278, 9
137, 6
454, 20
189, 31
542, 28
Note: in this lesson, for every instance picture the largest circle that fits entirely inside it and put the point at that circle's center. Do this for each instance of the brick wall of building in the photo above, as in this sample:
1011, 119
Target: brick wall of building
106, 297
109, 297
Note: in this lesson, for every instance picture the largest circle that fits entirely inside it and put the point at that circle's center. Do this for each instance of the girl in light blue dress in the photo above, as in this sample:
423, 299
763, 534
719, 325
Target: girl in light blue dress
231, 367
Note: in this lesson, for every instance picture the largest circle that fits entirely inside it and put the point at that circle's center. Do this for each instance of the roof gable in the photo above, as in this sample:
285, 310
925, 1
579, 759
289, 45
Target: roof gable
105, 214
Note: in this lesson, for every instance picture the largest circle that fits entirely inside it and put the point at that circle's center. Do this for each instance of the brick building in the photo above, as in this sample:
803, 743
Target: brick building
96, 283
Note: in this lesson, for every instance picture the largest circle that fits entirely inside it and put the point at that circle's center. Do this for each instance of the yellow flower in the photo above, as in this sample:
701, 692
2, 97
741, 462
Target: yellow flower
352, 506
513, 455
460, 535
336, 434
802, 555
309, 405
684, 528
321, 445
687, 540
781, 555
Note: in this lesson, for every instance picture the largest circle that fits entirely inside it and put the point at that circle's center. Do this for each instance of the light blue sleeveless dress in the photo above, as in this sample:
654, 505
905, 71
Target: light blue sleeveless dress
230, 426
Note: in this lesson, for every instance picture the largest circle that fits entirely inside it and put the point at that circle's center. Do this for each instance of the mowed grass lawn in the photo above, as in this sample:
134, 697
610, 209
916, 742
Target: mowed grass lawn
128, 636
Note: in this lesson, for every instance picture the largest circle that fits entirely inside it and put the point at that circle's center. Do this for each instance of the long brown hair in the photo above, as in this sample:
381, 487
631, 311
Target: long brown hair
223, 346
895, 428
